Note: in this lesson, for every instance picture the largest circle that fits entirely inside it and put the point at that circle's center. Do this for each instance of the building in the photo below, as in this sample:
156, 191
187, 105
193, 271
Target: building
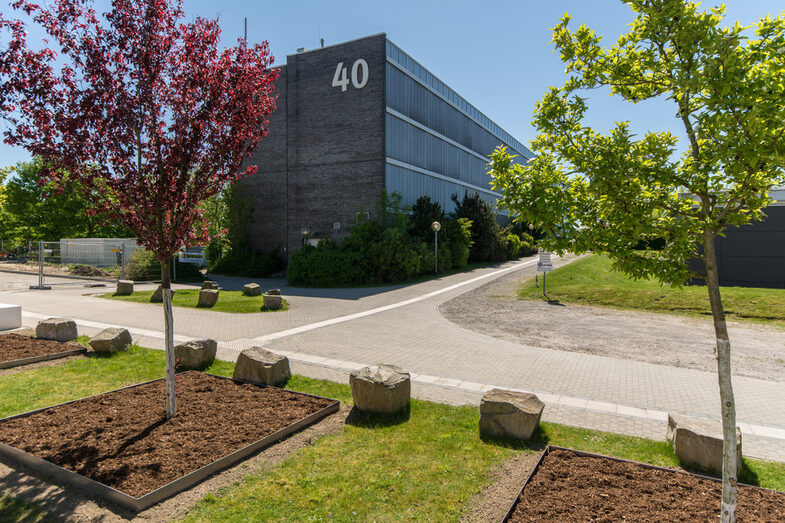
754, 255
353, 119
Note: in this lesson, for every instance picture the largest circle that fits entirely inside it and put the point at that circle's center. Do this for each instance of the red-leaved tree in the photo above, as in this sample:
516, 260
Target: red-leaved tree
144, 111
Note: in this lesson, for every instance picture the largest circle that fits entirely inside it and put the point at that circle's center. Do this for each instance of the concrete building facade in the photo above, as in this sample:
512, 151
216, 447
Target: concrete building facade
353, 119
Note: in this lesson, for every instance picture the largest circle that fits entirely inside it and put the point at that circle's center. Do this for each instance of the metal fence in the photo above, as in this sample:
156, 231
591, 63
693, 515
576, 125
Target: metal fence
90, 258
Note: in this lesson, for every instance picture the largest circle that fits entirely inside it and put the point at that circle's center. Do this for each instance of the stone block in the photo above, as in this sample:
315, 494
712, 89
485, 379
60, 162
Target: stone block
60, 329
111, 340
210, 285
380, 388
10, 316
505, 413
252, 289
258, 365
698, 442
124, 288
272, 301
158, 295
273, 292
196, 354
207, 298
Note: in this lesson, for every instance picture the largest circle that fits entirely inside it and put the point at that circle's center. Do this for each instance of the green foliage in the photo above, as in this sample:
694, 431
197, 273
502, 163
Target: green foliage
458, 235
615, 192
256, 264
30, 211
424, 213
513, 244
487, 238
143, 266
326, 265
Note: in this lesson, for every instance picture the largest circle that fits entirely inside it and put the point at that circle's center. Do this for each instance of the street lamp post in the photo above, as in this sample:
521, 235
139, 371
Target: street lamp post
304, 232
436, 227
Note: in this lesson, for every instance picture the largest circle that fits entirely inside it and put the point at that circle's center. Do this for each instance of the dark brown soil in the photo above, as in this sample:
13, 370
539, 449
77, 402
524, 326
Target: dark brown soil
16, 347
569, 487
122, 438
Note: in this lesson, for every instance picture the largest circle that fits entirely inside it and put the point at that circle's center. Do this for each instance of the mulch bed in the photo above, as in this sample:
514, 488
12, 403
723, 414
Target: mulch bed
17, 347
122, 438
571, 487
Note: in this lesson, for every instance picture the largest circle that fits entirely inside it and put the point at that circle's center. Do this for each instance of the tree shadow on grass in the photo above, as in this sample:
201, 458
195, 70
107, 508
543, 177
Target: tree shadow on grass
538, 441
359, 418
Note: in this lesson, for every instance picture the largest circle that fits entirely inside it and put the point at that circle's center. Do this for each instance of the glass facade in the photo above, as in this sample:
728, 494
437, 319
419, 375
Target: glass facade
436, 142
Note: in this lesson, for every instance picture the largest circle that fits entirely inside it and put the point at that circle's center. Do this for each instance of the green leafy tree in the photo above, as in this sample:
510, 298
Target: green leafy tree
424, 213
608, 192
46, 211
487, 239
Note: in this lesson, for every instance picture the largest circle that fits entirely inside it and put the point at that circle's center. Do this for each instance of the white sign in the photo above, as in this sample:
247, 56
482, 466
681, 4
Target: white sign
544, 267
545, 257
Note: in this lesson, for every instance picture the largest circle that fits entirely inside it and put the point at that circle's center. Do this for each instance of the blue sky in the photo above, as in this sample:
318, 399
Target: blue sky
496, 54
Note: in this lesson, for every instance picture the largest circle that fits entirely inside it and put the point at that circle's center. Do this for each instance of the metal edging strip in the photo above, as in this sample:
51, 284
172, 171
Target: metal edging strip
45, 357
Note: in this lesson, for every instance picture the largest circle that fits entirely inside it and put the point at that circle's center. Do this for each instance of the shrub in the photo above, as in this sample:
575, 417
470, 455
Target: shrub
143, 265
254, 265
424, 213
325, 265
513, 244
487, 239
393, 256
458, 236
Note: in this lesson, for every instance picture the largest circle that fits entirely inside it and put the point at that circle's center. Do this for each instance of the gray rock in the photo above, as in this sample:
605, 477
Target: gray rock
380, 388
124, 288
158, 295
210, 284
272, 301
258, 365
698, 442
505, 413
207, 298
111, 340
196, 354
273, 292
60, 329
252, 289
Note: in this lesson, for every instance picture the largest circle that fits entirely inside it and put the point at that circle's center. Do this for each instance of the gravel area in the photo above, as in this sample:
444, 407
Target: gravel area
758, 351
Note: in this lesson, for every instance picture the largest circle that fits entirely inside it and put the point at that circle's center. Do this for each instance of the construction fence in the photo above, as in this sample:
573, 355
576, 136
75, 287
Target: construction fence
99, 258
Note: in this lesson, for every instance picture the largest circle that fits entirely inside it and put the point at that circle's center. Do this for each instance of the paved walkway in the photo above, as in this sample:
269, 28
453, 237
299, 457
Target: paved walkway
327, 333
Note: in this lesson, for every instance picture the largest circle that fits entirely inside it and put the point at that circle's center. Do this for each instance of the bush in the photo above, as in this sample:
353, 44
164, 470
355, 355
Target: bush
488, 243
513, 245
255, 265
458, 236
143, 265
394, 257
326, 265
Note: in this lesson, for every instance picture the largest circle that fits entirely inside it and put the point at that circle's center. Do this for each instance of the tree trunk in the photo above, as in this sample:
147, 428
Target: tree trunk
166, 288
729, 465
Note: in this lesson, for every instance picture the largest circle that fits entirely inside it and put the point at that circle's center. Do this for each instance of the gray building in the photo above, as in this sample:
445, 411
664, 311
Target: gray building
356, 118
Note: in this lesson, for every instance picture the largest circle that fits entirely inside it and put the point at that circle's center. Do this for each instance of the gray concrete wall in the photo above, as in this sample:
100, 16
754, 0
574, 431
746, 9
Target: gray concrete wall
323, 160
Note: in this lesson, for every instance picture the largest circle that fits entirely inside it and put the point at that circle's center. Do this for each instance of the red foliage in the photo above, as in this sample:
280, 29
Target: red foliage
143, 110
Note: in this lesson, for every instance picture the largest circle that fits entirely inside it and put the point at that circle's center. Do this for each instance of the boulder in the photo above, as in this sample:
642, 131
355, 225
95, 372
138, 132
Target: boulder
252, 289
196, 354
272, 299
60, 329
207, 298
124, 288
111, 340
210, 285
697, 442
158, 295
505, 413
258, 365
380, 388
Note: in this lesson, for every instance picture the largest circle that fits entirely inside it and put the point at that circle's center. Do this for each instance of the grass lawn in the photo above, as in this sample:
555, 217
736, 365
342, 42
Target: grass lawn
422, 466
228, 301
591, 281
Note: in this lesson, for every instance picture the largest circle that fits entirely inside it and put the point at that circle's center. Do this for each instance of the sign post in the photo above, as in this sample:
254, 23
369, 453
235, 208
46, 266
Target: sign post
544, 266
